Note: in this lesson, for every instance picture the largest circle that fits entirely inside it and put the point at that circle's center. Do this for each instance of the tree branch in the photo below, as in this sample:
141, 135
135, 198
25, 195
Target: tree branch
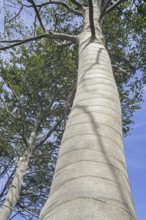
91, 20
69, 8
126, 16
20, 109
49, 35
119, 57
16, 14
76, 3
104, 10
115, 67
26, 210
6, 186
6, 167
141, 65
37, 14
13, 123
48, 134
66, 43
111, 8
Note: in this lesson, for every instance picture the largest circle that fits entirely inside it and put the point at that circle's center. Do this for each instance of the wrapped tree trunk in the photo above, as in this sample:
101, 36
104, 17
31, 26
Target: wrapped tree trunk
90, 181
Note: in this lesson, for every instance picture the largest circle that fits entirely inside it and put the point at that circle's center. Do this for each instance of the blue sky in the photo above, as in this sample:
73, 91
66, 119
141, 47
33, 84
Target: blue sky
135, 150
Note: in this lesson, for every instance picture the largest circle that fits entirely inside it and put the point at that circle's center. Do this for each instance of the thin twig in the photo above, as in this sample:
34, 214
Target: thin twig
104, 10
65, 43
69, 8
7, 183
141, 65
111, 8
78, 4
20, 108
16, 14
119, 57
48, 134
115, 67
37, 14
26, 210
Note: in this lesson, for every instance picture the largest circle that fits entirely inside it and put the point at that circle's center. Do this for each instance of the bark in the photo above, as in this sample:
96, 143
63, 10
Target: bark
90, 180
15, 188
16, 185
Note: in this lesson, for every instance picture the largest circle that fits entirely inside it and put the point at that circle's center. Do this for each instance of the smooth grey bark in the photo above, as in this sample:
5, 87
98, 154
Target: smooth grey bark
90, 180
15, 188
14, 192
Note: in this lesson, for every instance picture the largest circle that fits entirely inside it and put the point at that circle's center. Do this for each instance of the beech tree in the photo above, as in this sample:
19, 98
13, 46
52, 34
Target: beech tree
90, 179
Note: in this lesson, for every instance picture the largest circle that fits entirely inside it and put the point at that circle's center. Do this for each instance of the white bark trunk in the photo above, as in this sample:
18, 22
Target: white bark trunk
90, 181
15, 188
14, 192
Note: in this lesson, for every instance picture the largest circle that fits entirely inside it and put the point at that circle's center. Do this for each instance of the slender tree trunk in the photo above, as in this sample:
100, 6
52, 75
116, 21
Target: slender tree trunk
16, 185
90, 181
15, 188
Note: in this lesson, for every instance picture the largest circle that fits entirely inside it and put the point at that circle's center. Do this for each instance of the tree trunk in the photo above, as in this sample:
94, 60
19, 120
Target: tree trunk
15, 188
90, 180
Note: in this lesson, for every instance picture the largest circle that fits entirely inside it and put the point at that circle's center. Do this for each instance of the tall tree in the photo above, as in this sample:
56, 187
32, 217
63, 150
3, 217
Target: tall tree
92, 142
90, 179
